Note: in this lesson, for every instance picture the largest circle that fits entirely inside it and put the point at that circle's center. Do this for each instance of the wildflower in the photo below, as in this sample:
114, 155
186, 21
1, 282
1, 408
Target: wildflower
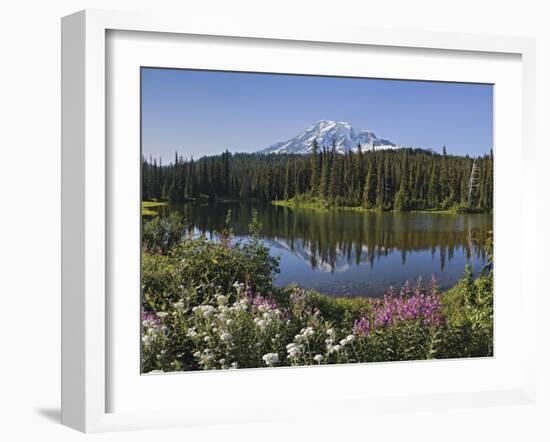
293, 350
350, 338
206, 338
337, 347
318, 358
362, 327
207, 310
262, 303
229, 321
150, 320
162, 314
238, 286
343, 342
410, 304
270, 359
221, 299
225, 336
242, 304
192, 332
262, 323
298, 298
330, 332
234, 365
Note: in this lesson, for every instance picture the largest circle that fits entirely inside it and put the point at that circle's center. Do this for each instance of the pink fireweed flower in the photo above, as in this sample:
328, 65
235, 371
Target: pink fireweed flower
362, 327
410, 304
261, 302
149, 320
298, 296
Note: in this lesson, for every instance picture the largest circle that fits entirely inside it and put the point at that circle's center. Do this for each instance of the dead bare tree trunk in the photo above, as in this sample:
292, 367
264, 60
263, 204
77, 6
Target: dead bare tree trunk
474, 182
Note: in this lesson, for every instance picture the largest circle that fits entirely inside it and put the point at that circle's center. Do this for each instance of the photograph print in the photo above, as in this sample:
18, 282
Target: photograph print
302, 220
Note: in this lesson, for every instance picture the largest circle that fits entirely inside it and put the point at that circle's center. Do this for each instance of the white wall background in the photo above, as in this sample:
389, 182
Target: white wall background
30, 214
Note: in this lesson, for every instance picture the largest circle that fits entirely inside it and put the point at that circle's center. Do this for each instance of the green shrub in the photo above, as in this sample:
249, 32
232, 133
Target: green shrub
160, 234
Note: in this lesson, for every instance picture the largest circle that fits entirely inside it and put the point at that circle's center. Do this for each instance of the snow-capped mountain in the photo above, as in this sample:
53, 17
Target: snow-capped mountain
327, 132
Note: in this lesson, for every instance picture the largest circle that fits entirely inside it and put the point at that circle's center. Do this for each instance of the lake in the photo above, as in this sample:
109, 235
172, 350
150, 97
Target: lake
353, 253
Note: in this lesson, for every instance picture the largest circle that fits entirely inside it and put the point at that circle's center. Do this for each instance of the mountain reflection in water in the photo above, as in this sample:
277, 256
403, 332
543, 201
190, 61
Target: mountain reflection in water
352, 253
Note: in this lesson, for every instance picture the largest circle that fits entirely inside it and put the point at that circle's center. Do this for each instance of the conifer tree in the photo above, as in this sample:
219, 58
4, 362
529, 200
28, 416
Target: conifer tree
323, 186
433, 188
314, 183
334, 181
369, 193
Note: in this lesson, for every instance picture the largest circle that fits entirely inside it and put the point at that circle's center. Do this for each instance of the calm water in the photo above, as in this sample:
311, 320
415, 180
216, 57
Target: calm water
354, 253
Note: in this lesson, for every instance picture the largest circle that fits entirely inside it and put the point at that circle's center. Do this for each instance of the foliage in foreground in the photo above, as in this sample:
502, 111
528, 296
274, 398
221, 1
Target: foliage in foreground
211, 305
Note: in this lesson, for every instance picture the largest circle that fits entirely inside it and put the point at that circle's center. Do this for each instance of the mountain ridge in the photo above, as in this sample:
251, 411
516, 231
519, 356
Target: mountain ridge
327, 133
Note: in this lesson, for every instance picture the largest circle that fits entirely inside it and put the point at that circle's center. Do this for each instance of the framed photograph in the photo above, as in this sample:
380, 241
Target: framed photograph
270, 222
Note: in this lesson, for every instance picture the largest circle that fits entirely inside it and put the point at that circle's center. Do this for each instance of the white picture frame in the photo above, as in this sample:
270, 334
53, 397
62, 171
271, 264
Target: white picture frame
86, 316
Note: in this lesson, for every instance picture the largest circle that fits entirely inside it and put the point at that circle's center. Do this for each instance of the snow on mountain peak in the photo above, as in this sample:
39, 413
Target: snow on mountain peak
327, 133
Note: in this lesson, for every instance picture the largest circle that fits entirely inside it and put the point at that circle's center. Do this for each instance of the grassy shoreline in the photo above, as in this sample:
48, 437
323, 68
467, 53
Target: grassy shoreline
147, 206
314, 205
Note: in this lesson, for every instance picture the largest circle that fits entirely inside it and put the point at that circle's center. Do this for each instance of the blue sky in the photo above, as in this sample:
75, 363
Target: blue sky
200, 113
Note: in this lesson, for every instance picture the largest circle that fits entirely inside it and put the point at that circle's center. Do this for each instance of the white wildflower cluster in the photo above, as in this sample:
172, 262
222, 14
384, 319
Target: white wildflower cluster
262, 323
204, 357
264, 308
226, 337
206, 310
348, 339
270, 359
294, 350
240, 306
221, 299
149, 323
178, 305
239, 287
304, 334
268, 316
152, 330
335, 348
148, 336
213, 332
318, 358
